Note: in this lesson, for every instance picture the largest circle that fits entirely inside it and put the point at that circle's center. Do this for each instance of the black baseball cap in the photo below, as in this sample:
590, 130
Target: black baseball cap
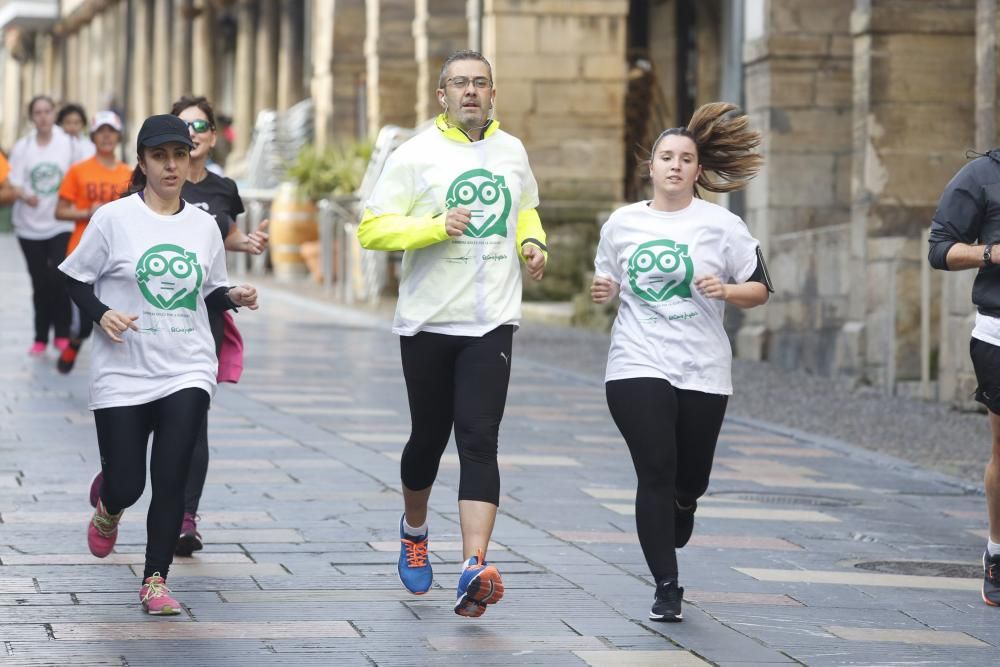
162, 129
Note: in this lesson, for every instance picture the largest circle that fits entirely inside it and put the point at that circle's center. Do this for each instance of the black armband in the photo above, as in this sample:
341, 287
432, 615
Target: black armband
760, 274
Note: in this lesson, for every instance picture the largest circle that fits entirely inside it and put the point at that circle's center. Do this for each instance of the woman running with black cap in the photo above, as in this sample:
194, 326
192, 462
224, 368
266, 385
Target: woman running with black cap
159, 265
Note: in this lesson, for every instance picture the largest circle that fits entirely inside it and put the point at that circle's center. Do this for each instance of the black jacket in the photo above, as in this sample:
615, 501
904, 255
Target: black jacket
969, 212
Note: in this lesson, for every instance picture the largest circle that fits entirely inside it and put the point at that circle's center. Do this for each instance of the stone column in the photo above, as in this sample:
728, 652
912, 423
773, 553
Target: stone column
560, 76
140, 106
183, 43
93, 64
797, 92
83, 66
243, 113
440, 28
162, 57
338, 63
13, 110
913, 70
290, 55
204, 49
72, 79
391, 69
266, 64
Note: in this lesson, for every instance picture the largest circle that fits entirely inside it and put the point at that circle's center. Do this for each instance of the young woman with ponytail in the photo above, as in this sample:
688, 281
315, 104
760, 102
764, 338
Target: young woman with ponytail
675, 261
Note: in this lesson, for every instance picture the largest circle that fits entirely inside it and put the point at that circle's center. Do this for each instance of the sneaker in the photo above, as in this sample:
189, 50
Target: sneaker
991, 579
37, 349
155, 597
683, 523
95, 488
102, 531
667, 603
189, 540
60, 343
414, 567
479, 585
67, 359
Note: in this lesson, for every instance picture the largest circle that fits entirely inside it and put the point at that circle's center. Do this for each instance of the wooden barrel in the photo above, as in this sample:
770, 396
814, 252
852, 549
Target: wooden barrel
293, 222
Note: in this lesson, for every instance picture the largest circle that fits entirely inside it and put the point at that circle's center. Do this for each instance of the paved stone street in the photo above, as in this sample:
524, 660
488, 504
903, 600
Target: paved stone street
806, 551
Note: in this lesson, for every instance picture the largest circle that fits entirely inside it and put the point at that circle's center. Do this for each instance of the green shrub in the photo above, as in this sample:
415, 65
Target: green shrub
332, 172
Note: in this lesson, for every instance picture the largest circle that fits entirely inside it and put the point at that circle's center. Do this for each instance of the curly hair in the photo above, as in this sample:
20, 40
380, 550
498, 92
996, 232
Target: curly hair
726, 146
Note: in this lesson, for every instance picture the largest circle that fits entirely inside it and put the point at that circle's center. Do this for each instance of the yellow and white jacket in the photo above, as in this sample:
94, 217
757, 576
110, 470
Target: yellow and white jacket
466, 285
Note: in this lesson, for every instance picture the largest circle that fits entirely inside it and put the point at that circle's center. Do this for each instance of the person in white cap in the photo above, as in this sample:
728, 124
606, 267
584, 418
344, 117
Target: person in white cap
89, 184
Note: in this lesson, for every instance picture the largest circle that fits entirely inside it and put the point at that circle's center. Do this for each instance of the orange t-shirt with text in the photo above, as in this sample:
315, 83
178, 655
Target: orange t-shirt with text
89, 182
4, 168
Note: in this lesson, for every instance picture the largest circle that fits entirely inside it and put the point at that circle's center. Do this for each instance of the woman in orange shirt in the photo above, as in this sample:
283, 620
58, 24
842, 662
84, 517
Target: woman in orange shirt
88, 185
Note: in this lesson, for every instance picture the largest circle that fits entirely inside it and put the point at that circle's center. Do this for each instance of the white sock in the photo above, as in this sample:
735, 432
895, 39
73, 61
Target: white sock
419, 531
993, 548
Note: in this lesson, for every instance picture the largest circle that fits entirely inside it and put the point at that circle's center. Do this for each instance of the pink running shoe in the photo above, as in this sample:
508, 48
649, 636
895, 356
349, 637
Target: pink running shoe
37, 349
189, 540
155, 597
60, 343
95, 488
102, 531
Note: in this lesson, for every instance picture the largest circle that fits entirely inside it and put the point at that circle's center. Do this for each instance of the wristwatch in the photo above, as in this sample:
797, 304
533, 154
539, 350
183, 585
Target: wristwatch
987, 255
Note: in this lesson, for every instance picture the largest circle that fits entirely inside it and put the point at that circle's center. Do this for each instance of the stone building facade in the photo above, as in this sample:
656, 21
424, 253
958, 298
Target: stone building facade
867, 109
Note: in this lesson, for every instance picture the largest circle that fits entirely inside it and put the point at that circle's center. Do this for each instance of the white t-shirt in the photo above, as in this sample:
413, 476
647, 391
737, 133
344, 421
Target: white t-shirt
987, 329
665, 328
40, 170
85, 148
467, 285
158, 267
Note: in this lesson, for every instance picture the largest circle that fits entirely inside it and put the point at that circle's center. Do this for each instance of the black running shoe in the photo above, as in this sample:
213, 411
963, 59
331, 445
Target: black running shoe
67, 358
667, 604
991, 579
683, 523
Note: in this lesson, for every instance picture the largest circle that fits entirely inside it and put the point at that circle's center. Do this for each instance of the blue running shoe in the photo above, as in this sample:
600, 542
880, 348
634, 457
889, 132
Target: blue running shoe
414, 566
479, 585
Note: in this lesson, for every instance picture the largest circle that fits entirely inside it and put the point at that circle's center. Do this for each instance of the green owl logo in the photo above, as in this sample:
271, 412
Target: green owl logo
660, 270
169, 277
46, 178
487, 197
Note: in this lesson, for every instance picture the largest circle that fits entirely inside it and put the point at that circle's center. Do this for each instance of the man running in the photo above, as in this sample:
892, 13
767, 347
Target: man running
459, 199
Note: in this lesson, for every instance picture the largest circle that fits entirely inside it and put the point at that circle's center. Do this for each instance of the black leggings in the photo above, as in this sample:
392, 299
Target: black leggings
671, 435
198, 474
49, 295
460, 381
123, 434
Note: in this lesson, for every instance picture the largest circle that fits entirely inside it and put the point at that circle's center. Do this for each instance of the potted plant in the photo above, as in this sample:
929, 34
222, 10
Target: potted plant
320, 173
314, 174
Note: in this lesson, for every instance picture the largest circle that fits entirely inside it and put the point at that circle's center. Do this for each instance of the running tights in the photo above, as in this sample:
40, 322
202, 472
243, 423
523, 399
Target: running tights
123, 434
198, 473
458, 381
48, 286
671, 434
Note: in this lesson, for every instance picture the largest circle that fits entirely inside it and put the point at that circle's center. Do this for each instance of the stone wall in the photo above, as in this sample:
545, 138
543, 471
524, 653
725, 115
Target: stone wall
914, 69
560, 74
798, 95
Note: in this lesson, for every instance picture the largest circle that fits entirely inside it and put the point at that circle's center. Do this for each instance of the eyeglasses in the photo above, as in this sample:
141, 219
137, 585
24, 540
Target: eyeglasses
461, 82
199, 125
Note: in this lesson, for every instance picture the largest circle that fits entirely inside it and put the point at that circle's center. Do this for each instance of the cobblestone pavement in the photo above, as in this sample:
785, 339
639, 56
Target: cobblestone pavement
806, 551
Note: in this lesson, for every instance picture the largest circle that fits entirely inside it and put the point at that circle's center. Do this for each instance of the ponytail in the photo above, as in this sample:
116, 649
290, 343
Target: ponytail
726, 147
137, 182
